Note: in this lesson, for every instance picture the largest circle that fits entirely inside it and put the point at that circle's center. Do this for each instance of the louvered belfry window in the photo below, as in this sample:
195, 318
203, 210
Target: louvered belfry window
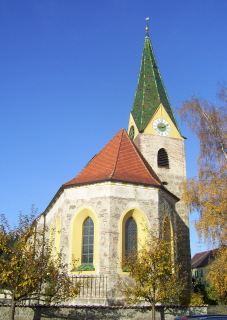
88, 241
163, 160
130, 238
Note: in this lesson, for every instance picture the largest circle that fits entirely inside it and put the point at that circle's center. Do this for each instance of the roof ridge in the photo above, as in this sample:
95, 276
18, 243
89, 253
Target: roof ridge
95, 156
117, 155
119, 160
202, 256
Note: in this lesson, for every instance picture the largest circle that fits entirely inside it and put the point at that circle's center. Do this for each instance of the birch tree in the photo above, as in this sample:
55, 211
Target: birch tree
207, 193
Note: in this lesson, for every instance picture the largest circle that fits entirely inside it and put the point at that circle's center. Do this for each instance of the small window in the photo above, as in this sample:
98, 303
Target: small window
200, 273
132, 132
130, 238
163, 160
88, 241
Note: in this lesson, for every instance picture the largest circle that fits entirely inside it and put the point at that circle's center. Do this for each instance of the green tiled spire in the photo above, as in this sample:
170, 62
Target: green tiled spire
150, 90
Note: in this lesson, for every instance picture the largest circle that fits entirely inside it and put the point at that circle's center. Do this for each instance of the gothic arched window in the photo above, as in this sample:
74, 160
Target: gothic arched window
163, 160
130, 238
168, 235
88, 241
167, 229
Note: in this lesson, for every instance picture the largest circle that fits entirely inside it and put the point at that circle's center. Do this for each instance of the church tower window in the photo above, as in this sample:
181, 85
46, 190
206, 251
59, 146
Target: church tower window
130, 238
88, 241
132, 132
163, 159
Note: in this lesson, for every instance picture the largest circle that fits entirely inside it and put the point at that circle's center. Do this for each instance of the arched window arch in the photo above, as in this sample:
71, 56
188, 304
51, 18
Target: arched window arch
84, 241
167, 229
130, 238
133, 234
163, 159
88, 241
167, 235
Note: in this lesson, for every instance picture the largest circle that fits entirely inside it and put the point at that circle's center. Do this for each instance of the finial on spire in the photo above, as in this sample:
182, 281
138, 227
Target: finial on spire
147, 27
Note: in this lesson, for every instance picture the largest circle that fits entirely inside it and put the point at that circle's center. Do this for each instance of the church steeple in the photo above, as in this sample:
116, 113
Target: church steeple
150, 93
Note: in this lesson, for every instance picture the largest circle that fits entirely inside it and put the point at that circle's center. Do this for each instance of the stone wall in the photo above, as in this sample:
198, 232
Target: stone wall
149, 145
98, 313
110, 202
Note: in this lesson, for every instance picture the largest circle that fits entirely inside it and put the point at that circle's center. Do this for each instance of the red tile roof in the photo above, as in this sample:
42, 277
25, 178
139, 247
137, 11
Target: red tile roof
202, 259
119, 160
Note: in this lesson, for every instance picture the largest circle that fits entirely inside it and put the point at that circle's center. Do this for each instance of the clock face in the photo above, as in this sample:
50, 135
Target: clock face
132, 132
161, 127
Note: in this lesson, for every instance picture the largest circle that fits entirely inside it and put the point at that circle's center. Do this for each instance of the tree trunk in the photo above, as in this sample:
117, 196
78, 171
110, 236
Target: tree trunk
12, 308
153, 310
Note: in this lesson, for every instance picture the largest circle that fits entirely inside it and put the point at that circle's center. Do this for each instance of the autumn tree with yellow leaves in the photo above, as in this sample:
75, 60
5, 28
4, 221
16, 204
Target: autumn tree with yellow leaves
28, 268
218, 277
154, 276
207, 193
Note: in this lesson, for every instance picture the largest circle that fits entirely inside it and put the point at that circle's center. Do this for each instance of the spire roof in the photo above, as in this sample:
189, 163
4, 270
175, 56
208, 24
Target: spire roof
150, 91
119, 160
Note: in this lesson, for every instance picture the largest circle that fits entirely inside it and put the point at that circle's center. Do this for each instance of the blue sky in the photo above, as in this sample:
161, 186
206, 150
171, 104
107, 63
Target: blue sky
68, 75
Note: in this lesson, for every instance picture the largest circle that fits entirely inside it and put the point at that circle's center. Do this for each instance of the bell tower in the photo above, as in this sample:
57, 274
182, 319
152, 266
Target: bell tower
154, 130
153, 126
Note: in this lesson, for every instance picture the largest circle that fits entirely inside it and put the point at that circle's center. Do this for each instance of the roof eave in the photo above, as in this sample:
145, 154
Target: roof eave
61, 189
54, 199
111, 180
124, 181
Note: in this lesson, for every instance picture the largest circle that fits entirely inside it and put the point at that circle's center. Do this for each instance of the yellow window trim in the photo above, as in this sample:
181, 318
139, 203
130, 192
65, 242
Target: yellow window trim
142, 230
76, 239
168, 227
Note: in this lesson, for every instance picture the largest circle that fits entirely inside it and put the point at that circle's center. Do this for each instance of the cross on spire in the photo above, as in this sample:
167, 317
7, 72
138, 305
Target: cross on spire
147, 27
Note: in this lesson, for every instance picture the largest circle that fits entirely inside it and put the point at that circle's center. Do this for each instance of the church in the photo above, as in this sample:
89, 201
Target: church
133, 184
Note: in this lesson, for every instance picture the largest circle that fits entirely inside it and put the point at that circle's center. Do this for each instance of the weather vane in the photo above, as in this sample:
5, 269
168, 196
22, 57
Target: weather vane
147, 27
